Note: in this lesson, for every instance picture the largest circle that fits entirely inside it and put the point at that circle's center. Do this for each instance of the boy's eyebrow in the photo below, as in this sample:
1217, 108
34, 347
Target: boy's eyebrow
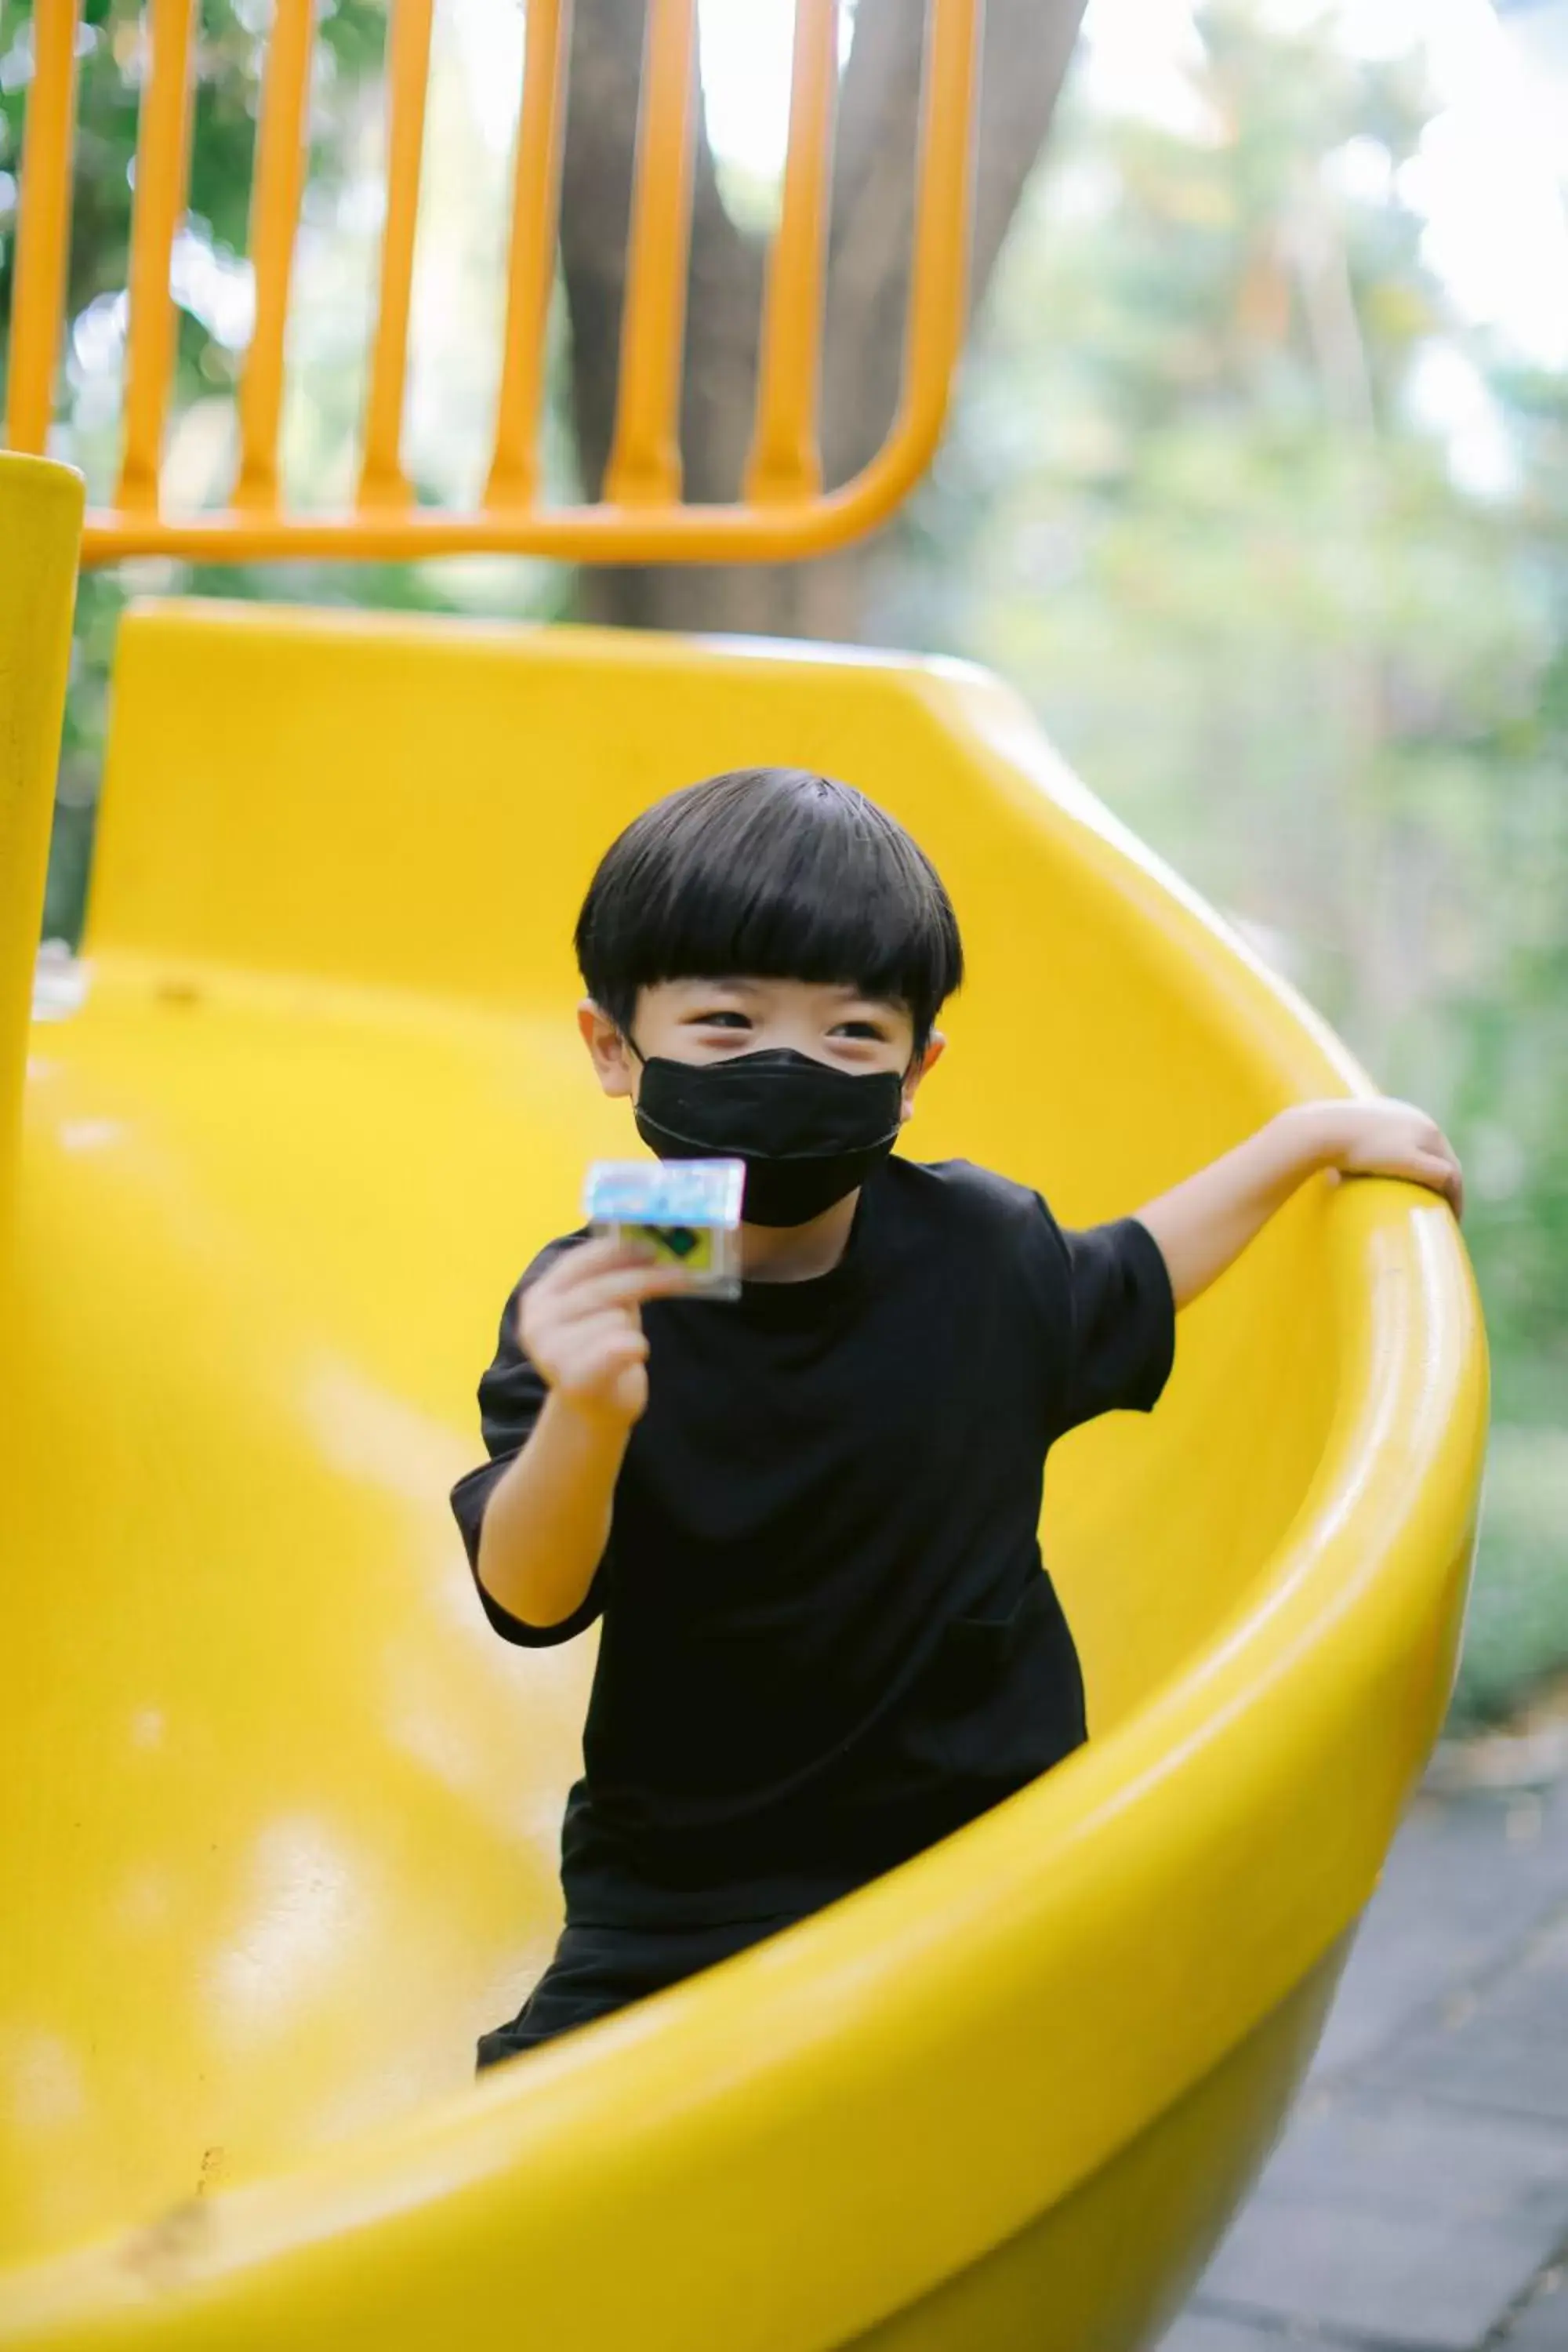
727, 980
844, 991
847, 995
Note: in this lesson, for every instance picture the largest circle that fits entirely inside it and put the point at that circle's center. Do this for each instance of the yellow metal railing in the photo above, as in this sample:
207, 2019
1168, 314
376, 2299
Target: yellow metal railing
783, 510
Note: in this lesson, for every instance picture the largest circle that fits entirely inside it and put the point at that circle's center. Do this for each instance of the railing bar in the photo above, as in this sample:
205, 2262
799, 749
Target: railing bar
275, 197
162, 160
645, 455
939, 264
784, 460
579, 534
42, 230
531, 267
382, 480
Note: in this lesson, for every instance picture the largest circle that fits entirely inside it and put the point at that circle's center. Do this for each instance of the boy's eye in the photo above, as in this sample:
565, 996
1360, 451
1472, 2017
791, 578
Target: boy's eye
726, 1020
866, 1029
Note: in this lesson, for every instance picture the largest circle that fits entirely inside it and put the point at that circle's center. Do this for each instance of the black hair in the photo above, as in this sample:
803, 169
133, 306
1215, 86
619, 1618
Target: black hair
772, 873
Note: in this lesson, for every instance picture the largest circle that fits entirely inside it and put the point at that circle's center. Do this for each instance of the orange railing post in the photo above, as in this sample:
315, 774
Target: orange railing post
43, 229
382, 480
644, 467
163, 161
640, 517
536, 195
784, 462
279, 185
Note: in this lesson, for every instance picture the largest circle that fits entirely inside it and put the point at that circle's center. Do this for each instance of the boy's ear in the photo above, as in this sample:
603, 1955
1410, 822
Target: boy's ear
613, 1063
935, 1048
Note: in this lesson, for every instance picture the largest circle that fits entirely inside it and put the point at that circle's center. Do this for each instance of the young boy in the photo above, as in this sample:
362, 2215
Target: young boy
808, 1519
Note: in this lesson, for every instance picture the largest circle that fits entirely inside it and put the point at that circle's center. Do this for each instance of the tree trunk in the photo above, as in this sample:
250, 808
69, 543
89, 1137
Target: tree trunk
1025, 55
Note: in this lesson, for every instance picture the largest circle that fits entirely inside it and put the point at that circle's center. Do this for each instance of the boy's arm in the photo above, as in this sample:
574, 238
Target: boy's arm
547, 1518
1205, 1224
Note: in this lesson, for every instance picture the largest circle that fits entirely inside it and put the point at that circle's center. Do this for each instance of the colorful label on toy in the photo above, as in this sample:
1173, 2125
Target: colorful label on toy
683, 1199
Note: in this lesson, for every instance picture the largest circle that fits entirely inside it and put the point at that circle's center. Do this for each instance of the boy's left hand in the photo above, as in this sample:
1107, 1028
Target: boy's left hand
1203, 1225
1386, 1138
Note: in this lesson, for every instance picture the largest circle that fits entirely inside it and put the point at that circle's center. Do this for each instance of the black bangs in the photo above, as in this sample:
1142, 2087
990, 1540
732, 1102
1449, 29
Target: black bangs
772, 874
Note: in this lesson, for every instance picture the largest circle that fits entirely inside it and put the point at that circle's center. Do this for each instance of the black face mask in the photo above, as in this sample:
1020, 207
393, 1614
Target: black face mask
809, 1134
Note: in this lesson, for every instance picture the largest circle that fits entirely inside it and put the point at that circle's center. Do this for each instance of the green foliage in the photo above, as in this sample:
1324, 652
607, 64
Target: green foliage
1518, 1625
1192, 505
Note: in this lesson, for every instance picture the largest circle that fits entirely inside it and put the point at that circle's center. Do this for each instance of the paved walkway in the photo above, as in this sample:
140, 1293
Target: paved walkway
1419, 2200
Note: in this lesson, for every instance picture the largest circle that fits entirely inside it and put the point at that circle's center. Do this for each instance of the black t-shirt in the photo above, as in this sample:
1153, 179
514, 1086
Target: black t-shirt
827, 1637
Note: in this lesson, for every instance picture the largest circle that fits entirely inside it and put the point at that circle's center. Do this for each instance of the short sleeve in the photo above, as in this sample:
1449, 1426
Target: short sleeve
1123, 1321
511, 1397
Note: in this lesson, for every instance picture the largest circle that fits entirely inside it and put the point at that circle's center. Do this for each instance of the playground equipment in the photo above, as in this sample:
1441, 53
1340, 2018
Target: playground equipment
280, 1812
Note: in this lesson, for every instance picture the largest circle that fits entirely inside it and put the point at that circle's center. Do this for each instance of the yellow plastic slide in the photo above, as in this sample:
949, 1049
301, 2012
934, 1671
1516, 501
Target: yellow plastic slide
280, 1814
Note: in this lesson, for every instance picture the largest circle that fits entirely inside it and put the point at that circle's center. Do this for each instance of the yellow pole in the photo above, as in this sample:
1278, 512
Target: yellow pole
40, 533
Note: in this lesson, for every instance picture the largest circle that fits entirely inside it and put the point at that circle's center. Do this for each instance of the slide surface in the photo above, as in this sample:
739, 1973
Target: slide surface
279, 1834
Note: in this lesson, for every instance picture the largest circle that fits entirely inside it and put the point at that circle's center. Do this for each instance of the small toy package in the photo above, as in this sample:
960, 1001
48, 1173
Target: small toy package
688, 1210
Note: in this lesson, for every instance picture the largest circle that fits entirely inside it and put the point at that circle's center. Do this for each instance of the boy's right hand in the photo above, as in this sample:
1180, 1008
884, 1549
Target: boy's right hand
580, 1327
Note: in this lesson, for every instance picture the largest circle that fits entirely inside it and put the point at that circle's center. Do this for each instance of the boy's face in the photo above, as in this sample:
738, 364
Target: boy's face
714, 1020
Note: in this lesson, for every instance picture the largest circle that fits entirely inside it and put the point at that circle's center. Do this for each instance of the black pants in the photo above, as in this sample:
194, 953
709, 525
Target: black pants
597, 1970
